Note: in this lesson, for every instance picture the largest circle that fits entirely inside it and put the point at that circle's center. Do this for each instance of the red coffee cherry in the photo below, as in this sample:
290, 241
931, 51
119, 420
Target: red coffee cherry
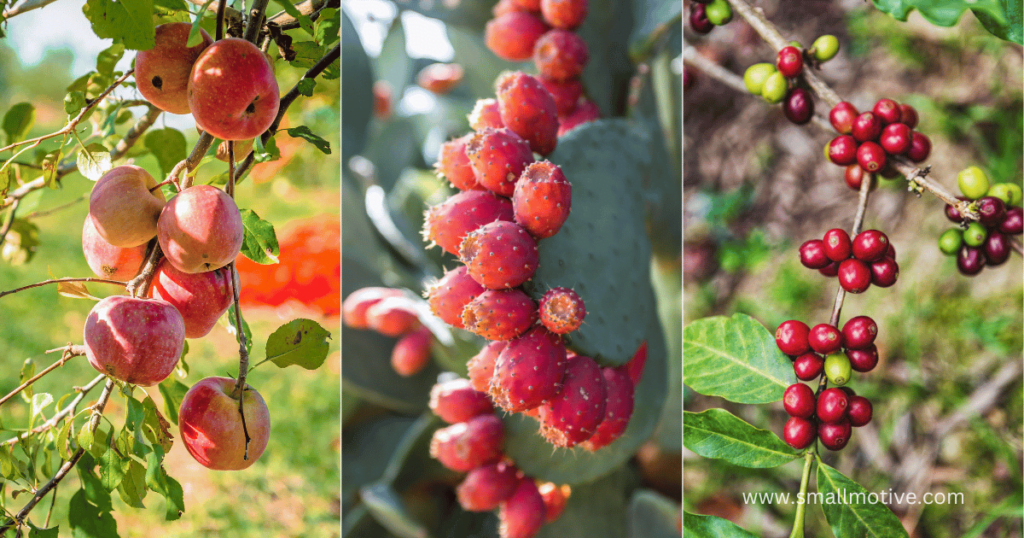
838, 246
896, 138
842, 150
991, 210
970, 261
859, 411
884, 272
808, 366
699, 19
996, 247
799, 400
790, 62
798, 106
825, 339
871, 157
835, 436
1013, 222
908, 116
812, 254
866, 127
791, 337
859, 332
863, 360
891, 252
832, 404
841, 117
870, 245
920, 147
855, 175
799, 433
830, 270
854, 276
888, 111
953, 214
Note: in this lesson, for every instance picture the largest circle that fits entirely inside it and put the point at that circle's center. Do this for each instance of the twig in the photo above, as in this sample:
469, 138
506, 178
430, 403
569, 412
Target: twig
69, 351
126, 143
68, 410
139, 286
60, 280
25, 7
257, 15
52, 210
9, 220
243, 358
310, 8
1015, 245
220, 19
190, 162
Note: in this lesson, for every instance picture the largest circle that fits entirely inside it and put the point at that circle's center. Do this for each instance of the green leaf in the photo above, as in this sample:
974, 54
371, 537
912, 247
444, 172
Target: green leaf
1000, 17
158, 481
194, 36
74, 102
40, 401
234, 329
849, 508
85, 438
304, 133
328, 26
302, 342
168, 146
87, 520
94, 491
306, 86
5, 180
28, 369
132, 489
701, 526
156, 428
108, 58
18, 121
7, 468
112, 469
127, 21
62, 439
307, 54
94, 161
260, 244
265, 152
717, 433
36, 532
50, 164
173, 392
735, 358
304, 22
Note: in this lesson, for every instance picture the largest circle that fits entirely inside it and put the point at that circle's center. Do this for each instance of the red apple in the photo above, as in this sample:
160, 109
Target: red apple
232, 91
108, 261
138, 341
161, 73
200, 298
200, 230
211, 427
123, 208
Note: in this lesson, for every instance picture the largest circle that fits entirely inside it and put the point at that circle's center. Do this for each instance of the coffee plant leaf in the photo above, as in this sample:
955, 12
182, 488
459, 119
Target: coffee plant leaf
652, 515
1000, 17
701, 526
735, 358
301, 342
718, 434
849, 510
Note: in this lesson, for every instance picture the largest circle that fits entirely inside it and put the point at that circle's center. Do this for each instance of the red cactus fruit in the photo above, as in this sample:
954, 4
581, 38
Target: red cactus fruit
354, 307
554, 499
528, 5
618, 410
467, 445
529, 371
411, 353
453, 164
522, 515
560, 55
566, 93
484, 488
562, 310
392, 316
485, 115
447, 223
573, 415
542, 199
500, 255
635, 367
498, 158
507, 6
512, 36
586, 112
456, 401
528, 109
450, 295
500, 314
481, 366
564, 14
440, 78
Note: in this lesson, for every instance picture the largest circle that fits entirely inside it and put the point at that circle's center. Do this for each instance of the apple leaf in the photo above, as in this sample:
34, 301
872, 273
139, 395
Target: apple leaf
194, 37
5, 181
265, 152
306, 86
307, 54
158, 481
18, 120
260, 244
112, 469
88, 520
108, 58
328, 26
94, 160
38, 532
50, 164
127, 22
168, 146
173, 392
304, 133
302, 342
132, 488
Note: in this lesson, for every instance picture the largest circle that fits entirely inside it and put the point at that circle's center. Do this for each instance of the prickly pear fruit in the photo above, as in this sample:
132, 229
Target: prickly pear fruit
529, 371
586, 112
450, 295
392, 316
618, 410
565, 14
528, 109
447, 223
562, 310
500, 314
542, 199
481, 366
411, 353
554, 499
498, 157
522, 515
457, 401
485, 115
467, 445
635, 367
484, 488
453, 164
566, 93
353, 309
560, 55
512, 35
500, 255
572, 416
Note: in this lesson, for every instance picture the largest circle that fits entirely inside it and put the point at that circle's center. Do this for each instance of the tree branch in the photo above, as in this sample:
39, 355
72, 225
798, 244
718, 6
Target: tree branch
25, 7
69, 351
68, 410
243, 357
59, 280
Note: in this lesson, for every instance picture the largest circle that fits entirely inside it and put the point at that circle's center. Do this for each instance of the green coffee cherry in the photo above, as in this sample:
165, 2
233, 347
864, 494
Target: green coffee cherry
755, 76
1015, 194
973, 182
950, 241
796, 44
825, 48
718, 12
975, 234
1009, 193
837, 368
774, 88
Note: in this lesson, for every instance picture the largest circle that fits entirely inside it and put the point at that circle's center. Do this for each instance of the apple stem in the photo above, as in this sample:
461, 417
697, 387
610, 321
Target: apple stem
243, 357
230, 187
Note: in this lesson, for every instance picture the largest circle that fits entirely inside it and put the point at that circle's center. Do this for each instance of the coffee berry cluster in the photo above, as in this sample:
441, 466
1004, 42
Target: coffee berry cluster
986, 241
390, 312
773, 81
706, 14
824, 349
868, 259
868, 140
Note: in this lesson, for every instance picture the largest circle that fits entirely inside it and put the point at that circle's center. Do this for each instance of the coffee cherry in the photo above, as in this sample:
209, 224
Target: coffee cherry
837, 244
825, 48
908, 116
972, 182
888, 111
859, 411
950, 241
997, 248
799, 106
871, 157
1015, 194
842, 150
991, 210
837, 369
799, 400
830, 270
799, 432
920, 147
884, 272
855, 175
699, 19
953, 214
970, 261
1001, 191
1013, 222
854, 276
841, 117
825, 338
775, 88
832, 404
791, 337
975, 234
866, 127
755, 76
859, 332
896, 138
812, 254
863, 360
870, 245
789, 61
719, 12
808, 366
891, 252
835, 436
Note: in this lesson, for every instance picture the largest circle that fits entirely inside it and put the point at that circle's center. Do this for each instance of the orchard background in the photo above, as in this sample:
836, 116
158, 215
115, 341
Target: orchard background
947, 392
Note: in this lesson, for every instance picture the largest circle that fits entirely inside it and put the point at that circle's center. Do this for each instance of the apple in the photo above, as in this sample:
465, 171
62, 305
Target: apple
211, 427
200, 230
232, 91
161, 73
138, 341
200, 298
123, 208
108, 261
